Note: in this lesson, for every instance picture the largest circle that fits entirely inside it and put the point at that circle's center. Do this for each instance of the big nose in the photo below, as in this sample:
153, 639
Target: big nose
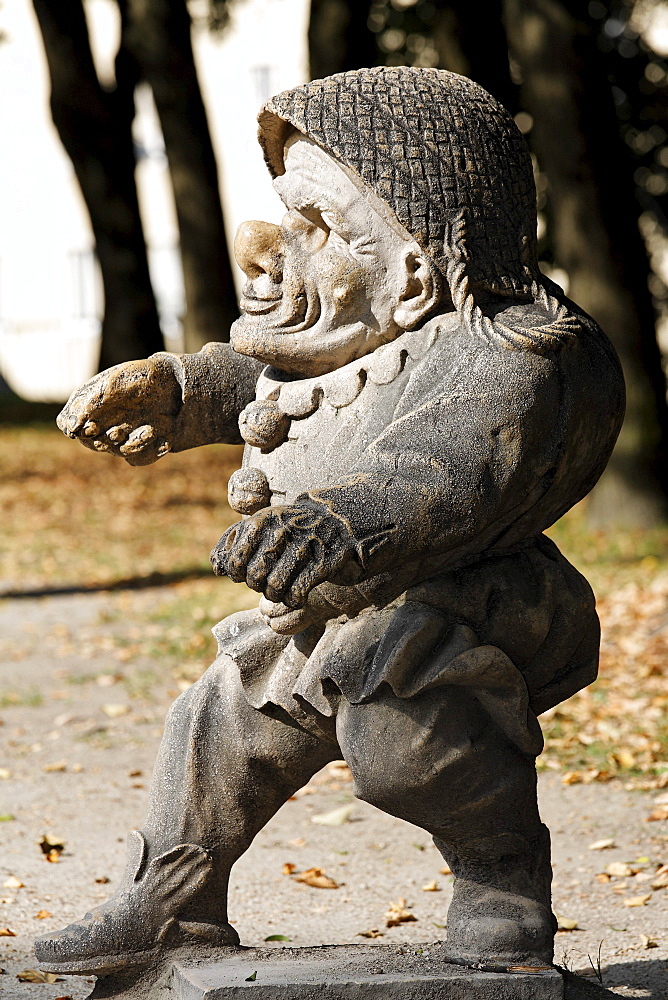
259, 250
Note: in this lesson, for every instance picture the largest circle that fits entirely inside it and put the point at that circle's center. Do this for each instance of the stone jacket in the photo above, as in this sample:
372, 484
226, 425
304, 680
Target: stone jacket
448, 455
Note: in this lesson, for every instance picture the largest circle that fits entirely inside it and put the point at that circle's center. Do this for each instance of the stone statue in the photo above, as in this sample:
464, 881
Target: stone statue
418, 404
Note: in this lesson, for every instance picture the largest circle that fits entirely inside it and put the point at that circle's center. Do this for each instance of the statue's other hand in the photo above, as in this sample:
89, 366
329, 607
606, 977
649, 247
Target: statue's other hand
284, 552
129, 410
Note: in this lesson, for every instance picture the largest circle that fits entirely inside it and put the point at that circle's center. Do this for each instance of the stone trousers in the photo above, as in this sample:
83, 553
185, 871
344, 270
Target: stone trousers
437, 760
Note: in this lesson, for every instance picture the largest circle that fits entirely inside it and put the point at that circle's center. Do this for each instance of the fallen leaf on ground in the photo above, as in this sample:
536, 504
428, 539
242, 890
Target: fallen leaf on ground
252, 977
648, 942
398, 914
446, 870
56, 765
565, 923
373, 933
35, 976
77, 768
660, 878
51, 843
603, 877
67, 997
13, 883
620, 869
316, 878
5, 774
602, 845
42, 915
337, 817
103, 880
657, 815
115, 711
638, 900
5, 932
297, 842
277, 937
431, 886
288, 868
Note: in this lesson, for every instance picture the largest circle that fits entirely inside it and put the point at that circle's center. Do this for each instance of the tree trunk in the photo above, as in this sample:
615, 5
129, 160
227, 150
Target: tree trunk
473, 43
157, 33
95, 129
338, 37
596, 237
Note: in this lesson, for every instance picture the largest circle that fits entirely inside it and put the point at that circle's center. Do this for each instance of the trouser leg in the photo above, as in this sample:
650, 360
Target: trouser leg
223, 770
439, 760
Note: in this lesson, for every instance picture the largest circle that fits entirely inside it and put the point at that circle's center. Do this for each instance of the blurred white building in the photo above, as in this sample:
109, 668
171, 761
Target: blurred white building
50, 294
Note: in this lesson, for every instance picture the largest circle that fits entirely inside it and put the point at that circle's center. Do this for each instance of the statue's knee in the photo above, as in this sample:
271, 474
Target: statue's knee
197, 700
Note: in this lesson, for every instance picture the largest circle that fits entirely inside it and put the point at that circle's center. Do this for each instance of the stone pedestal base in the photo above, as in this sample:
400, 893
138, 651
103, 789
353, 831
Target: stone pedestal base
357, 972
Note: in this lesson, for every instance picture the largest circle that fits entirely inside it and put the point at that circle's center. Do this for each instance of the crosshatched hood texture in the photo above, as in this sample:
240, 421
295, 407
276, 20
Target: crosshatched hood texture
435, 147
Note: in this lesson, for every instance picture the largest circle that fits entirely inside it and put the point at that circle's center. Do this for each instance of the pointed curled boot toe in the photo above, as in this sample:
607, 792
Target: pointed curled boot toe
140, 920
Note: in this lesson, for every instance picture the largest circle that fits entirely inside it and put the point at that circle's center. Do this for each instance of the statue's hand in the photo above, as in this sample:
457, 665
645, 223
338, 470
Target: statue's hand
129, 410
284, 552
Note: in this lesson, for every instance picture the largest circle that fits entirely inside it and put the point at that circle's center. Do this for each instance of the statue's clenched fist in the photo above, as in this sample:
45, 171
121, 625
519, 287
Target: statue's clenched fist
129, 410
284, 552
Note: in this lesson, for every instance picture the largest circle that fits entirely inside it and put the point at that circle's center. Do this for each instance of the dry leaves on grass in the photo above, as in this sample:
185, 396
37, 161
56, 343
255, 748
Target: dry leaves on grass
398, 913
55, 494
618, 727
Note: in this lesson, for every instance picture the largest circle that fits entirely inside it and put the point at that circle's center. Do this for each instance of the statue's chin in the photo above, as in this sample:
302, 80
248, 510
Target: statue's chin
316, 350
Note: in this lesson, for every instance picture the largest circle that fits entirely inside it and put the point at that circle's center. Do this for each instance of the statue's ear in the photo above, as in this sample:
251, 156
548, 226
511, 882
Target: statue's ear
422, 289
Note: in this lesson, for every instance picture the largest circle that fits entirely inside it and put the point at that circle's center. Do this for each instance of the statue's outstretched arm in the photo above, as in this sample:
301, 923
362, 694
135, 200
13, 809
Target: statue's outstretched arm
141, 410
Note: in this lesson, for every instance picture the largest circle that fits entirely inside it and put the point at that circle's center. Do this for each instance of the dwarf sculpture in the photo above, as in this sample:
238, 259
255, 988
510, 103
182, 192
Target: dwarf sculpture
419, 403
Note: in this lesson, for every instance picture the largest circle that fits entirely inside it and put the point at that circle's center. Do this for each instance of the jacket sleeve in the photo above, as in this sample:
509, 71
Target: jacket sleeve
216, 384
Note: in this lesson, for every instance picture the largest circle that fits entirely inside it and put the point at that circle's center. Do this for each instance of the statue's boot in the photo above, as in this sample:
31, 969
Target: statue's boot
500, 915
144, 916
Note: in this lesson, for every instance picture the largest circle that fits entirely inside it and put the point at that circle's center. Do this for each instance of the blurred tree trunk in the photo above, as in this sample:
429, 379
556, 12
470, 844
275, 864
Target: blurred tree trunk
338, 37
595, 236
157, 34
474, 43
95, 128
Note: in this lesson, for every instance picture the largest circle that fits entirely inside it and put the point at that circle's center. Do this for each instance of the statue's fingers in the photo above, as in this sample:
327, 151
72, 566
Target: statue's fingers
118, 434
138, 440
250, 535
290, 567
149, 454
316, 570
263, 562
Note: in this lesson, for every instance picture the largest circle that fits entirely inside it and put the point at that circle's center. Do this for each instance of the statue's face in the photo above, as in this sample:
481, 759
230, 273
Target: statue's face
324, 286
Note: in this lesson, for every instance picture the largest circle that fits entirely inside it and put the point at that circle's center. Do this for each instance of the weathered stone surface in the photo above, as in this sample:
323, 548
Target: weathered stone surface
355, 973
430, 404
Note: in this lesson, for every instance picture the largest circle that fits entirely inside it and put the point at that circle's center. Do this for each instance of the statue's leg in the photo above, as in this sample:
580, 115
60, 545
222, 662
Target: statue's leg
223, 770
439, 760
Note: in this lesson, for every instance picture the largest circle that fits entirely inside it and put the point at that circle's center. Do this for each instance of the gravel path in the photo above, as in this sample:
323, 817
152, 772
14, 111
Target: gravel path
79, 727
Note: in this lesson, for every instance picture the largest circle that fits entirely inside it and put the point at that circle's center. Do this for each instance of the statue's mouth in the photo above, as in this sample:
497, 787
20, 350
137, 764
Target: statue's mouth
256, 306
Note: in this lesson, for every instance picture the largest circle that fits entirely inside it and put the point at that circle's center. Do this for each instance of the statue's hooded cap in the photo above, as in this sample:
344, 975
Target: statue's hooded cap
435, 147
